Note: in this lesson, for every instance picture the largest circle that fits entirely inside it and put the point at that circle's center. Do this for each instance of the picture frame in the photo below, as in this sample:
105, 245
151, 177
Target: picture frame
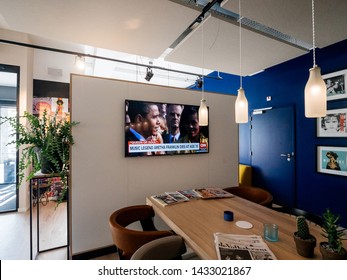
336, 85
333, 124
332, 160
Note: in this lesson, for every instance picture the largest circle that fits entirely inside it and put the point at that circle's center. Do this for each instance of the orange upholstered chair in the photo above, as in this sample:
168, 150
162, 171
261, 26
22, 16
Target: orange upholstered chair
254, 194
127, 240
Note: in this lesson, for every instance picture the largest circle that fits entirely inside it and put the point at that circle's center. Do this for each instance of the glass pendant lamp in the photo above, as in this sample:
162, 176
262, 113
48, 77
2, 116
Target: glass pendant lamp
203, 112
241, 103
241, 107
315, 89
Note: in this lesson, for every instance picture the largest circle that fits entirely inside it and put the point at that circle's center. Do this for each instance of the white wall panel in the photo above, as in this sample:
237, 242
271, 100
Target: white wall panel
103, 180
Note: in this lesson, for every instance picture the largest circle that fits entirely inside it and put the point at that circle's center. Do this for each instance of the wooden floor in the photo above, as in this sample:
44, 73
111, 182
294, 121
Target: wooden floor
15, 235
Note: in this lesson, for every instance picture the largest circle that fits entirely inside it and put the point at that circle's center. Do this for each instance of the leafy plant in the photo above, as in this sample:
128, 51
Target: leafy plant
45, 138
332, 232
303, 230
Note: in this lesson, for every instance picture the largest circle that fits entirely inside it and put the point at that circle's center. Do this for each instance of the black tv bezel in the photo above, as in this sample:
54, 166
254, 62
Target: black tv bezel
204, 129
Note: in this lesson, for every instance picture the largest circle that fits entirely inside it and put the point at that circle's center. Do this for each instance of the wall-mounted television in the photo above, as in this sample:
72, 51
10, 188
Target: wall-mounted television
157, 129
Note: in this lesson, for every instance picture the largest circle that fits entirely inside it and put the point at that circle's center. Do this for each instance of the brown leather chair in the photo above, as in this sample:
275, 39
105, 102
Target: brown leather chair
254, 194
127, 240
311, 217
164, 248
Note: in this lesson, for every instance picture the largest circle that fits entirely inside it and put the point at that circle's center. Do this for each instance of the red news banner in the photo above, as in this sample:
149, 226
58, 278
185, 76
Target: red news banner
154, 146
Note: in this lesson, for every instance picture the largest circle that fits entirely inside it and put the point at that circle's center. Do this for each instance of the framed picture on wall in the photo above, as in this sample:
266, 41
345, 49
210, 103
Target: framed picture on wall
333, 124
336, 85
332, 160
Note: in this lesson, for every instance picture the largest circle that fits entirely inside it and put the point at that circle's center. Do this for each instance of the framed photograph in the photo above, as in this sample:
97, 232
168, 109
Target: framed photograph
336, 85
333, 124
332, 160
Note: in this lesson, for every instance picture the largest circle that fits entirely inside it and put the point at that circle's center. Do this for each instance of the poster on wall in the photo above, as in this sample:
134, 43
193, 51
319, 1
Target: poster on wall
333, 124
336, 85
51, 105
156, 129
332, 160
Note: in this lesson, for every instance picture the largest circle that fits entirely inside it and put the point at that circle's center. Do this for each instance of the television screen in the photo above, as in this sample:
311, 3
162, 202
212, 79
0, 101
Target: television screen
156, 129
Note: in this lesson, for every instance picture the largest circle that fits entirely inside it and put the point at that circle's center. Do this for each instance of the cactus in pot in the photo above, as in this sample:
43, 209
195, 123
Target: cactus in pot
304, 241
302, 227
332, 249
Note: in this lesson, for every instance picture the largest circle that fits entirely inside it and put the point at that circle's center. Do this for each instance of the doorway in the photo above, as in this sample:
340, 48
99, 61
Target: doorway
9, 78
273, 153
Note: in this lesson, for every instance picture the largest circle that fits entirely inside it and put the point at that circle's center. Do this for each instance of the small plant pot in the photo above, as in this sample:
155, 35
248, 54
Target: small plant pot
329, 254
306, 247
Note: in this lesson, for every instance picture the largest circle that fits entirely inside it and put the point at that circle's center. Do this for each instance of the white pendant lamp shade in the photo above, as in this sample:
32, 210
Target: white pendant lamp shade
241, 107
241, 103
203, 113
315, 95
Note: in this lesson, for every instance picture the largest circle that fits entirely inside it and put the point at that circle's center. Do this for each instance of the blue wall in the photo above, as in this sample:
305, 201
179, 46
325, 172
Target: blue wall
285, 83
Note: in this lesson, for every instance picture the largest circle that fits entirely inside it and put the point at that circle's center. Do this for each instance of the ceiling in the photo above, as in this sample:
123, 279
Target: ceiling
148, 28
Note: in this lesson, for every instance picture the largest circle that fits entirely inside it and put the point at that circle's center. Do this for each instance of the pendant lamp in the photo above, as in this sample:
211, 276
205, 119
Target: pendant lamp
315, 89
241, 103
203, 112
241, 107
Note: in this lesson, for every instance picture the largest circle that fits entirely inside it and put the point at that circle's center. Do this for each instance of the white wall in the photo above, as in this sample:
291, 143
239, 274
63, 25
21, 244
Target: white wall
103, 180
51, 66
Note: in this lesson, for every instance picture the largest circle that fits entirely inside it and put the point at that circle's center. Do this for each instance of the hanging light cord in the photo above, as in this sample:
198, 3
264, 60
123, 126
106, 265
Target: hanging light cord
203, 60
313, 36
240, 19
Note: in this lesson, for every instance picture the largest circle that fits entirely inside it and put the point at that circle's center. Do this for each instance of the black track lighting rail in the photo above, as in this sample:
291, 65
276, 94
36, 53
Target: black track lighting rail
98, 57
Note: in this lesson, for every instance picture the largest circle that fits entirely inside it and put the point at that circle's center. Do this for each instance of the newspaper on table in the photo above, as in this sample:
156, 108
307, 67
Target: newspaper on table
242, 247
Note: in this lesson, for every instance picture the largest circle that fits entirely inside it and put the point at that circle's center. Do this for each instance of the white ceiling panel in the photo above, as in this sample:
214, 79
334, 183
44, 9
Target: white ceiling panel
140, 27
294, 17
148, 27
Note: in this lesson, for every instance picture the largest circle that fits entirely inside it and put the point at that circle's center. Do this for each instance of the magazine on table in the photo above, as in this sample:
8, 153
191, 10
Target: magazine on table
190, 194
177, 196
169, 198
207, 193
164, 199
242, 247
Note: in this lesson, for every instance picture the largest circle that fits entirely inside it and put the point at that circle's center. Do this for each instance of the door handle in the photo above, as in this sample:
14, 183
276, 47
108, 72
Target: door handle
288, 155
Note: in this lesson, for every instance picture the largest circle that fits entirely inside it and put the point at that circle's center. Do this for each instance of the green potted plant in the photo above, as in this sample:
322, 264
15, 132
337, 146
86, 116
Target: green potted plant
45, 143
332, 249
304, 241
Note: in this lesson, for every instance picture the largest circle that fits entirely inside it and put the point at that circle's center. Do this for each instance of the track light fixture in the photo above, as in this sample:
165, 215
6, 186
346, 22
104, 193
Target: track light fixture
80, 62
199, 82
149, 74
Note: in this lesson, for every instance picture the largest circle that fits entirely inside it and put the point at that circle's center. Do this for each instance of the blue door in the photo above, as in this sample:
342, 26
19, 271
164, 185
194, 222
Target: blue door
272, 153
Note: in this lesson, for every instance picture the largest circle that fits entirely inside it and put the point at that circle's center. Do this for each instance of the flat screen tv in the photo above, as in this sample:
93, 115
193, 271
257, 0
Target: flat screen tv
157, 129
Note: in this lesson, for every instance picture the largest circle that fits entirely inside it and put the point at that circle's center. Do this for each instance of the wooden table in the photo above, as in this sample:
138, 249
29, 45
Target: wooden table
197, 220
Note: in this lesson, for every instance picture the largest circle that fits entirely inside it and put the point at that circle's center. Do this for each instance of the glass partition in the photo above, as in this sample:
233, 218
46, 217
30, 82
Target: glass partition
8, 153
